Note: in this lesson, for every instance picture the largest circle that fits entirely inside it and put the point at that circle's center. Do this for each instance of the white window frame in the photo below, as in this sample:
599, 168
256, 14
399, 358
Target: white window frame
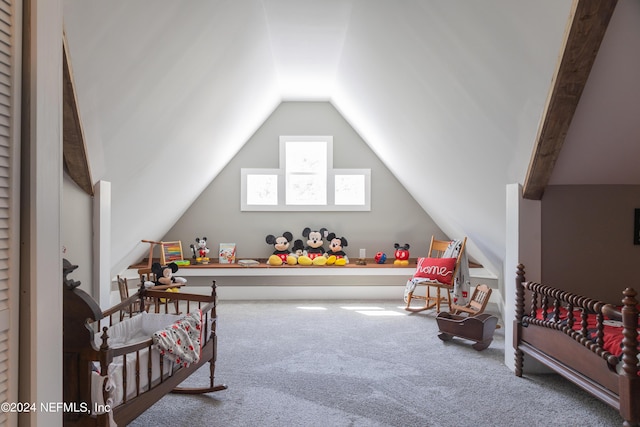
281, 187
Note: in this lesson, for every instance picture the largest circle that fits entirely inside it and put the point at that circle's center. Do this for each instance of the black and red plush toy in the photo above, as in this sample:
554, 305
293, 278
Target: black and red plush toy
336, 254
314, 253
281, 254
401, 254
165, 275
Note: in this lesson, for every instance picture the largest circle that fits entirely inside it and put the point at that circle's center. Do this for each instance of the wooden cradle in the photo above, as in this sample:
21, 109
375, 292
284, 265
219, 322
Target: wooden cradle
567, 345
82, 320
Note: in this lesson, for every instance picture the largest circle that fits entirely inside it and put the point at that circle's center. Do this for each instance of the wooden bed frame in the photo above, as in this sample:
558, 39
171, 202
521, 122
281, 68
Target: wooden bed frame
82, 319
570, 353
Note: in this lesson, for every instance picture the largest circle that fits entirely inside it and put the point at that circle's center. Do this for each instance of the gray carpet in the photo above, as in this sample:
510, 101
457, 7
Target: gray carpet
338, 366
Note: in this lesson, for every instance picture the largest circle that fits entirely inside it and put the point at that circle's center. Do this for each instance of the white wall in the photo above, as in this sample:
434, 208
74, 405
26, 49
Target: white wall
523, 246
41, 269
395, 217
76, 232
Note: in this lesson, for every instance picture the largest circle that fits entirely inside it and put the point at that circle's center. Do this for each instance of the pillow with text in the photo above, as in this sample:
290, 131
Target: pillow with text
436, 269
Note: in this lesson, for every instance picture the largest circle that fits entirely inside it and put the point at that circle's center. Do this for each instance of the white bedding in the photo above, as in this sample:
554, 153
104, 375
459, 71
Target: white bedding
127, 332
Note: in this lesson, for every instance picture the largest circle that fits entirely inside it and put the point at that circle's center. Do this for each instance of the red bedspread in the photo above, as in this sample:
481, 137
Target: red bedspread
612, 329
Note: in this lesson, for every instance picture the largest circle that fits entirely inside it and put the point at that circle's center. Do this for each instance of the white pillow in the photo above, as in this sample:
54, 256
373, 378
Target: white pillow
136, 328
121, 332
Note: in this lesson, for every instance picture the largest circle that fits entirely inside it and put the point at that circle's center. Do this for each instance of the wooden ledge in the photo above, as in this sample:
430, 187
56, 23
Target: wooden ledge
370, 263
215, 269
262, 269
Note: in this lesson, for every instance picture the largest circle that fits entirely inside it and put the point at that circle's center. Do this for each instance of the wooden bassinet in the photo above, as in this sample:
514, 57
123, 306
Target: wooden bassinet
90, 360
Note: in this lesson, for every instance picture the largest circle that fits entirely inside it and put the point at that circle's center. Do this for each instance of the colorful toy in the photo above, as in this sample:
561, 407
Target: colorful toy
380, 258
200, 250
336, 254
281, 254
313, 252
401, 254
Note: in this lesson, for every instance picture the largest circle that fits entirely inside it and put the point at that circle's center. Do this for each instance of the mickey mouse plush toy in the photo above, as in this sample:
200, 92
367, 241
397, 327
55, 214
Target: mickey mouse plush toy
164, 275
281, 254
336, 254
314, 251
401, 254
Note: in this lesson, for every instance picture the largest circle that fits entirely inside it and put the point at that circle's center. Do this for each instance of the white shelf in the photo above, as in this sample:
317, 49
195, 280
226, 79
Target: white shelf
294, 272
477, 273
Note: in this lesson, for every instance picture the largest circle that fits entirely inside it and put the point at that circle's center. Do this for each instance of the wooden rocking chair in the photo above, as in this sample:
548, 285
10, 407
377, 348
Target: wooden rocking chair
437, 249
477, 303
134, 308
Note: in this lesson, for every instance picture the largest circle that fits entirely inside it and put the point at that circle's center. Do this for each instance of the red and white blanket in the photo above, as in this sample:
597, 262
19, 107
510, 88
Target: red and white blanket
181, 341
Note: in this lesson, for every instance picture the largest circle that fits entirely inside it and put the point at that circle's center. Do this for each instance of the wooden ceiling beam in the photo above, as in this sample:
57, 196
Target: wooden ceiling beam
586, 27
74, 150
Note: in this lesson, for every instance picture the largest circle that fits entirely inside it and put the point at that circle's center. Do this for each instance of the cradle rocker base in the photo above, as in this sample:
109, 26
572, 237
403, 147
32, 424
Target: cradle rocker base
478, 328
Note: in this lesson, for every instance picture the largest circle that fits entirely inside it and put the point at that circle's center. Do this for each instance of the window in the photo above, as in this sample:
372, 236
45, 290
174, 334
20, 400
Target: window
306, 180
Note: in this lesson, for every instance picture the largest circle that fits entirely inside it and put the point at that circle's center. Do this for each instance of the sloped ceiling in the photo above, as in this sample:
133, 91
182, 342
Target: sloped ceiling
448, 94
603, 143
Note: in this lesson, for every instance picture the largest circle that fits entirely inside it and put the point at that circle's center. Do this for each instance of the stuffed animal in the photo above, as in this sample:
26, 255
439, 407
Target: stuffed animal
401, 254
336, 254
313, 252
298, 248
200, 250
164, 275
281, 254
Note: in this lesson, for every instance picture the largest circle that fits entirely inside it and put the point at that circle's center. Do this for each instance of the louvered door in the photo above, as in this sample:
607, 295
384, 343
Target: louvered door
9, 207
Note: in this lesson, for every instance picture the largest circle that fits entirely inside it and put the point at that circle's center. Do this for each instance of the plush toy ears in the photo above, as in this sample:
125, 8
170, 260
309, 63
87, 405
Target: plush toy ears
323, 232
156, 269
298, 245
271, 239
343, 241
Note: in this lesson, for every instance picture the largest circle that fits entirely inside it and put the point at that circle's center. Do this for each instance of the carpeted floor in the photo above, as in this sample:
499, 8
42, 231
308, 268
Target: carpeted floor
345, 363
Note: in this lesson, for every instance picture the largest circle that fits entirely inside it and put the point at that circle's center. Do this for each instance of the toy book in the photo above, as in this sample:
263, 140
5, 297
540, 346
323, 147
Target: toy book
227, 253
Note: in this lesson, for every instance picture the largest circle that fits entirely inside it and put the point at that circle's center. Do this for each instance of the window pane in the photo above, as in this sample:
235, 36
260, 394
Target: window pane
349, 190
306, 172
306, 190
262, 189
306, 157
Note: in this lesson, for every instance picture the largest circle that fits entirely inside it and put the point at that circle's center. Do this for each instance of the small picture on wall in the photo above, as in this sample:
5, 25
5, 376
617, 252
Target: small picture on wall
227, 253
636, 227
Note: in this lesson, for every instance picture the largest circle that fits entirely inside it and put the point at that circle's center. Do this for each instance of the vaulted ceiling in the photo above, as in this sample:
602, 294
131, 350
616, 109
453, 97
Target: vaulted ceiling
449, 94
